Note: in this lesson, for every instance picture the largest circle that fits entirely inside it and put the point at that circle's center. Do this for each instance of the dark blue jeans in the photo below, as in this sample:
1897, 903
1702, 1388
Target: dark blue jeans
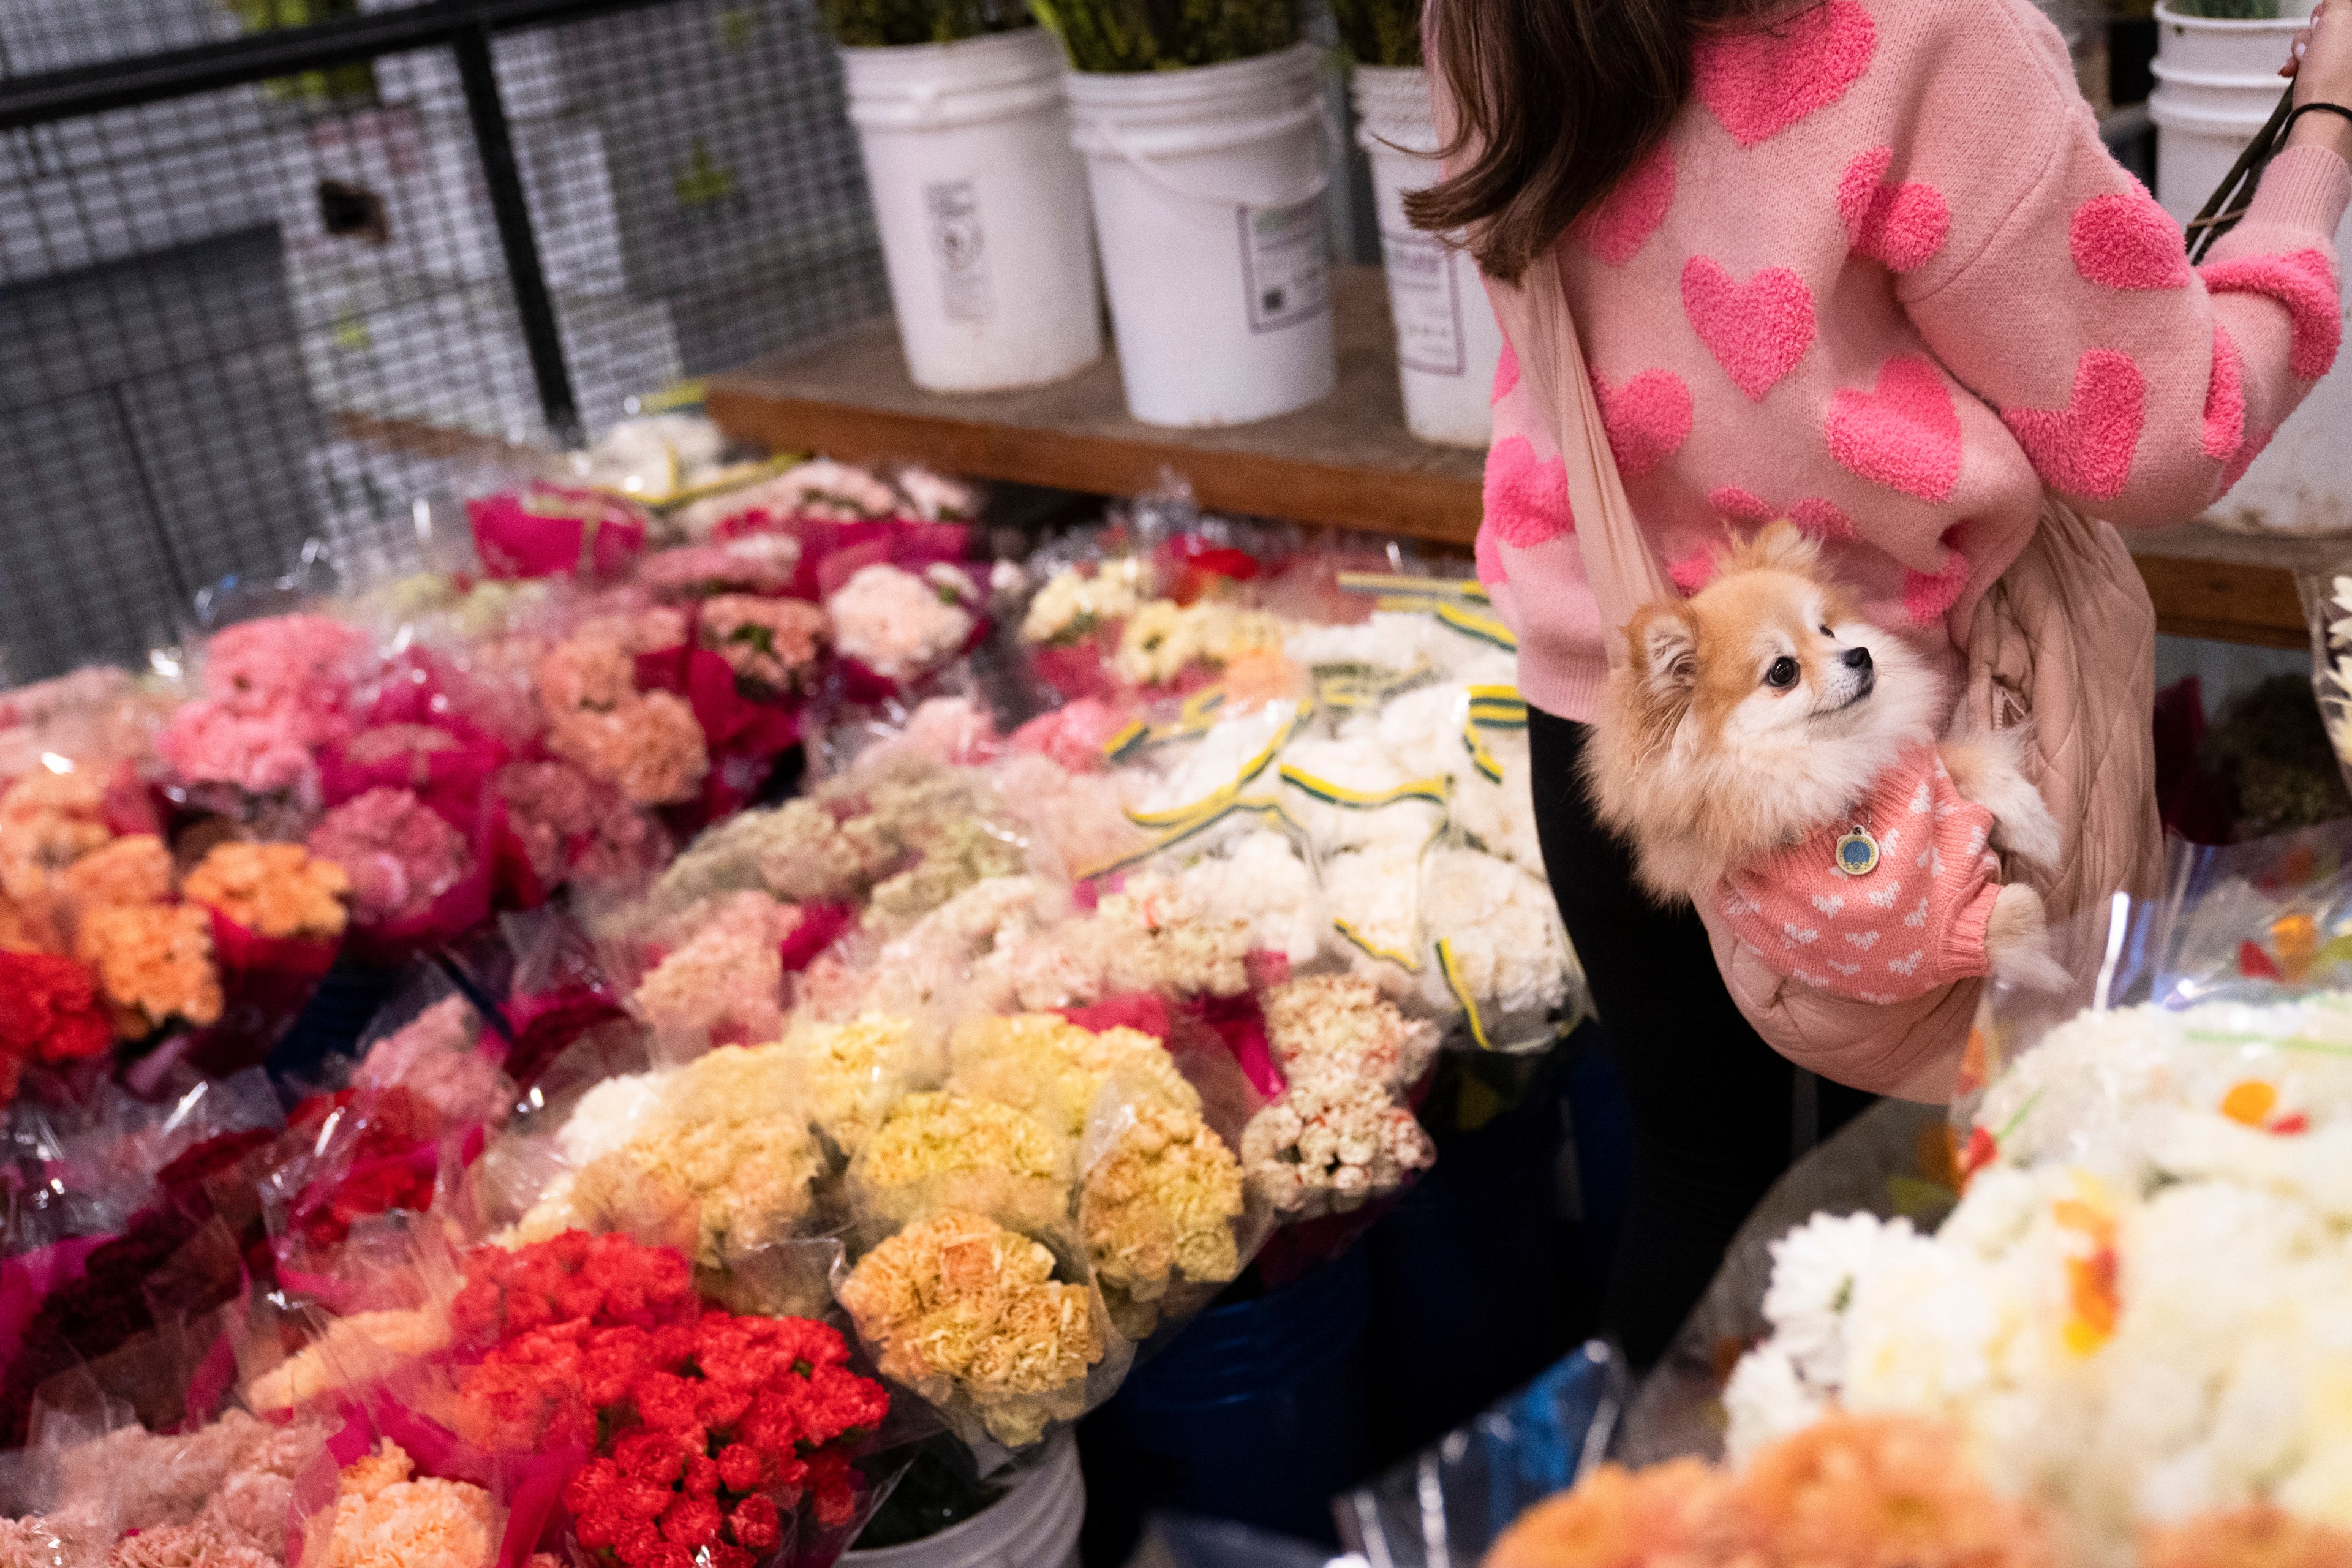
1717, 1114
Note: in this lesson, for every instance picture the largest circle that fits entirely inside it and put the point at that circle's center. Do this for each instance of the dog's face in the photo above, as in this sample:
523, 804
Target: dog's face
1767, 658
1750, 713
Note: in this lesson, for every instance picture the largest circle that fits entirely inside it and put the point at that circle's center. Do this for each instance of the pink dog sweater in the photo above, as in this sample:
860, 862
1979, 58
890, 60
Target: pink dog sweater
1913, 923
1883, 279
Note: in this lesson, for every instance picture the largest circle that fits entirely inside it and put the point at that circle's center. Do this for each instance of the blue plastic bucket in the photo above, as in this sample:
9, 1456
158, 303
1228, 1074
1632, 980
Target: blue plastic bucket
1257, 1412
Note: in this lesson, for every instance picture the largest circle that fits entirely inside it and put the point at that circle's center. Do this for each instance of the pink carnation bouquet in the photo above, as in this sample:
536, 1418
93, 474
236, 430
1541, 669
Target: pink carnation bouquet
274, 690
544, 530
416, 877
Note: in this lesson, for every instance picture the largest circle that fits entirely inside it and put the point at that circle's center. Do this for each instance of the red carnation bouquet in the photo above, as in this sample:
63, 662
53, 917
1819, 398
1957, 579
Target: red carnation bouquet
617, 1418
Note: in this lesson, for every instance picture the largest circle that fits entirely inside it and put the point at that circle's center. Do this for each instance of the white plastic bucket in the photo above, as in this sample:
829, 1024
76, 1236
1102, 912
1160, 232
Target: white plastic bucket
1034, 1525
1208, 186
2216, 83
1446, 335
982, 204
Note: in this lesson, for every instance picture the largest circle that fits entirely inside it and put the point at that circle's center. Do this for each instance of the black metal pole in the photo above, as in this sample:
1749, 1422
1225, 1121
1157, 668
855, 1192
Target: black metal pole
76, 90
534, 306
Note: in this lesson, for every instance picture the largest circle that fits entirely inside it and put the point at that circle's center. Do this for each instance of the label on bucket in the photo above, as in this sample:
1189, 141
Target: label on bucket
953, 210
1426, 298
1283, 264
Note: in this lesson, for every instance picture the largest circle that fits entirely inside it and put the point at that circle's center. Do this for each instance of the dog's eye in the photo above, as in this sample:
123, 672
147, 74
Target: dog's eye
1783, 672
1827, 633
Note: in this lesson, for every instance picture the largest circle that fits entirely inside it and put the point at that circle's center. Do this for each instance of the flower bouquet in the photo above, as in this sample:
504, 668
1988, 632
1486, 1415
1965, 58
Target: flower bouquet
273, 691
278, 919
545, 530
580, 1386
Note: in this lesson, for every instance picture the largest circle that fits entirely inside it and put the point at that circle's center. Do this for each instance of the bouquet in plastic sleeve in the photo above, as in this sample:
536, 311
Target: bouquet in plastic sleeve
717, 1158
543, 530
416, 876
1068, 1189
818, 491
601, 1406
1160, 601
671, 458
272, 691
101, 719
350, 1159
278, 916
1340, 1134
894, 625
558, 992
99, 1489
185, 1253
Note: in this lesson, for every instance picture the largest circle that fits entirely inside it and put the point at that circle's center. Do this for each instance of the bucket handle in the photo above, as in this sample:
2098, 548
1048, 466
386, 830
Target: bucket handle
1327, 147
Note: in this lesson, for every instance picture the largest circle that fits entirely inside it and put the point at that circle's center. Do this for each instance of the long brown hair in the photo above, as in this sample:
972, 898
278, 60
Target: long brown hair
1554, 102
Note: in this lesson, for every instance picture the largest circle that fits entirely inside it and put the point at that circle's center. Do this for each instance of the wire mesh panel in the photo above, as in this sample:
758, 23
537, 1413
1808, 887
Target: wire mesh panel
244, 318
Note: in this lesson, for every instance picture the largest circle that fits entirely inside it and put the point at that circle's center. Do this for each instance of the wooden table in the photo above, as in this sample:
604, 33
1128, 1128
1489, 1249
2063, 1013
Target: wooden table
1346, 462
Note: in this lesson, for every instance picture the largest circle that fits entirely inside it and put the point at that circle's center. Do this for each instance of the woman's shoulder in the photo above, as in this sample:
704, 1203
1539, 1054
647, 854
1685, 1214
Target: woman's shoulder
2007, 49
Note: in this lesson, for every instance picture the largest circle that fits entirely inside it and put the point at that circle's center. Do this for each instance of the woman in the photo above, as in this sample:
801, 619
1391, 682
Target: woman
1867, 264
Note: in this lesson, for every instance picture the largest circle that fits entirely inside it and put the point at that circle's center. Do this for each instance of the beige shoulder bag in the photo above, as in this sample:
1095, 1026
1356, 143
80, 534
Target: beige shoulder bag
2065, 639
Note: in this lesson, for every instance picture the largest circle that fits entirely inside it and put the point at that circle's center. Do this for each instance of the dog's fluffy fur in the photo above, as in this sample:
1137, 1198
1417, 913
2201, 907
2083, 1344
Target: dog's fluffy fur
1744, 720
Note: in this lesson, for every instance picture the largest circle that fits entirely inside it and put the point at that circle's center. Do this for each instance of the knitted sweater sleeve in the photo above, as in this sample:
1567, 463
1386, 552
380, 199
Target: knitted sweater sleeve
2138, 388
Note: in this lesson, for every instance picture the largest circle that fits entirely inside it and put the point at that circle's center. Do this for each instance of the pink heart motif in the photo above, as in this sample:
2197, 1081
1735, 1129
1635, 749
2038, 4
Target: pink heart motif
2305, 282
1692, 572
1647, 419
1902, 225
1928, 597
2086, 448
2124, 240
1630, 214
1487, 556
1756, 331
1822, 518
1758, 82
1904, 434
1525, 497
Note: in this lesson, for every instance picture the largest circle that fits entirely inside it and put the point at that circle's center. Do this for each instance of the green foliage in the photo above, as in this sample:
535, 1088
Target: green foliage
2230, 10
342, 85
1380, 32
1166, 34
869, 24
2271, 748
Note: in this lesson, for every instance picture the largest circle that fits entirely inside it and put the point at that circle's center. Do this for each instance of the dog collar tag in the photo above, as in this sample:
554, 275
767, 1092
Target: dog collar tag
1857, 853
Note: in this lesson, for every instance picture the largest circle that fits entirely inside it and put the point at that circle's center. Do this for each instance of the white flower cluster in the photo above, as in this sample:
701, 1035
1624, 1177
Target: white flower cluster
2138, 1312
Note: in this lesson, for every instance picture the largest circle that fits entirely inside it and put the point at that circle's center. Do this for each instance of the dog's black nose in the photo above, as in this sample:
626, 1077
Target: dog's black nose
1857, 658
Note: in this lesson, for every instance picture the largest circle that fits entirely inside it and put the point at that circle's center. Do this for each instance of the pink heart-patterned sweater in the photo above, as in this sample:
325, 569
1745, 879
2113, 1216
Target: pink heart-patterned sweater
1913, 921
1882, 278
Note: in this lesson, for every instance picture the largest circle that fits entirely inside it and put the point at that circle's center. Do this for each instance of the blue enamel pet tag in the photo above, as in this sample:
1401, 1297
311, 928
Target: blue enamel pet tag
1857, 853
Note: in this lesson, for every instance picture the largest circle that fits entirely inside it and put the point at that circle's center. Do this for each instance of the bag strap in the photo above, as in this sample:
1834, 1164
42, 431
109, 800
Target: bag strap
1619, 564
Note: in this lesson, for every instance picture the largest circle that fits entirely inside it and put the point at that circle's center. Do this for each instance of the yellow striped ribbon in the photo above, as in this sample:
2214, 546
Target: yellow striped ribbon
1224, 794
1476, 623
1437, 791
1272, 811
1198, 712
1447, 967
1403, 961
1417, 590
1351, 686
1491, 708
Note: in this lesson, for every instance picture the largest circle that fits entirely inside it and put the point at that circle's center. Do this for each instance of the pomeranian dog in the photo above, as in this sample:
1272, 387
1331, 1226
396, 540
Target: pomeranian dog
1766, 750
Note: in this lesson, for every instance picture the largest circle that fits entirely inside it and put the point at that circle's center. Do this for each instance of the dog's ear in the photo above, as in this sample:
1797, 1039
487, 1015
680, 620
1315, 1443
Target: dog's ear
1665, 669
1664, 642
1779, 546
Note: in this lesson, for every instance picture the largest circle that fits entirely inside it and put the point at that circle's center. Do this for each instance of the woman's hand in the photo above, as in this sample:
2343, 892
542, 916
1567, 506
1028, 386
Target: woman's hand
2321, 65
